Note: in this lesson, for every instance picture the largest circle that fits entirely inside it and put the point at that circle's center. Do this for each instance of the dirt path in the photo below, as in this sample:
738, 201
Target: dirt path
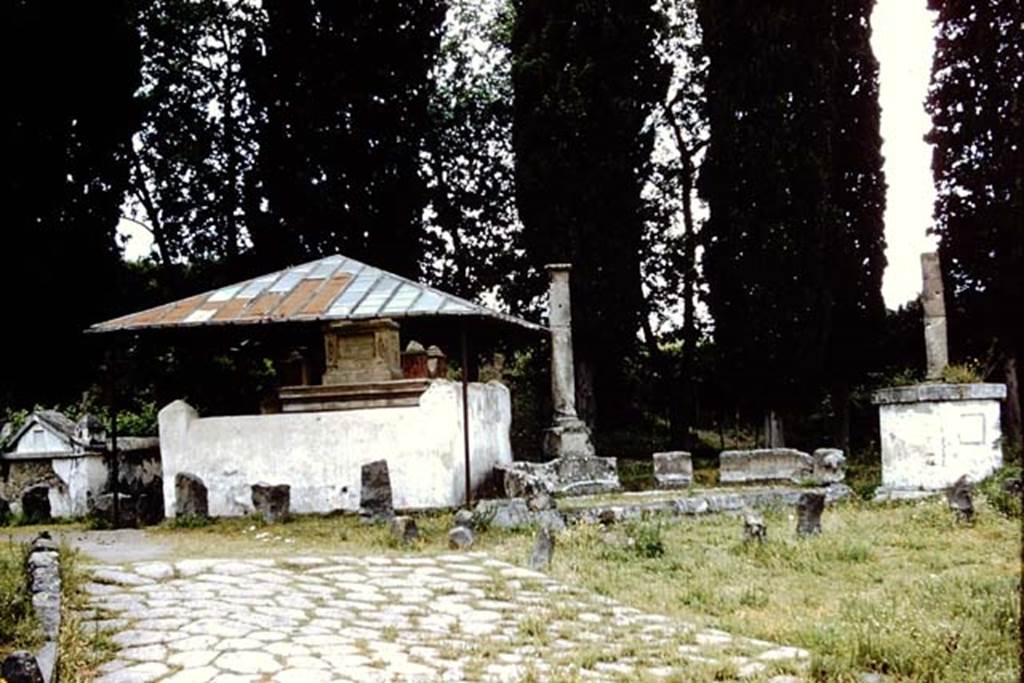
107, 547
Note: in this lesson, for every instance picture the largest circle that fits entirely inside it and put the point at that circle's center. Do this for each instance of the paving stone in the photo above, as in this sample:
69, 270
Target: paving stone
247, 662
382, 618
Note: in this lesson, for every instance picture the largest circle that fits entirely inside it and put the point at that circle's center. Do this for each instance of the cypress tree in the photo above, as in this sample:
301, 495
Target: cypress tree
975, 102
586, 78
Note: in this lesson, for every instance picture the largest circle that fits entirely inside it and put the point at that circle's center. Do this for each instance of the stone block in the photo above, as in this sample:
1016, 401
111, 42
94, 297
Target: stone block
375, 500
932, 434
464, 518
754, 528
829, 466
403, 529
570, 439
764, 465
460, 538
808, 513
508, 513
526, 479
271, 501
5, 512
960, 500
364, 351
586, 476
673, 469
190, 496
543, 549
35, 504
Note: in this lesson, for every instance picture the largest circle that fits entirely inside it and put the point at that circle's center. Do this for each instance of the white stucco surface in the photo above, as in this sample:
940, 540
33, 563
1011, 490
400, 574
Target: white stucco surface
931, 444
82, 475
320, 454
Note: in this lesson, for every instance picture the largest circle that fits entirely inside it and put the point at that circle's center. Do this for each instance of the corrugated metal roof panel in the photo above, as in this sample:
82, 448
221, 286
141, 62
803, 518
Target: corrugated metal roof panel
331, 288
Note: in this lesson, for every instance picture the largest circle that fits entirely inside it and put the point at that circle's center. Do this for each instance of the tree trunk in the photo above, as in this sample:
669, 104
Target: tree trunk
586, 402
774, 436
1012, 428
841, 418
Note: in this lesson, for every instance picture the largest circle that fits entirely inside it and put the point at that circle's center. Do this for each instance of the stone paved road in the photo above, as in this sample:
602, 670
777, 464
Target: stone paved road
417, 618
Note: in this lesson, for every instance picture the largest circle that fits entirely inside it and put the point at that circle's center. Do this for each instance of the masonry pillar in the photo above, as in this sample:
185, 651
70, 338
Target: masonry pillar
568, 436
934, 306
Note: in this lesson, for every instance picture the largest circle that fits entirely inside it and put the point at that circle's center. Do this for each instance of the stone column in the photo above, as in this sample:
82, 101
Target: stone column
934, 306
568, 436
563, 373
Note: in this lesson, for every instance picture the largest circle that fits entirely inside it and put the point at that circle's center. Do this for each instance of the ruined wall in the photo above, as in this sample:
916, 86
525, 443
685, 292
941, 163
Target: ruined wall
319, 454
76, 479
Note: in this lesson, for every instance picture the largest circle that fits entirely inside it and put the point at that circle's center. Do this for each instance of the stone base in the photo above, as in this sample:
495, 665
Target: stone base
673, 469
932, 434
563, 476
586, 476
318, 398
887, 493
569, 439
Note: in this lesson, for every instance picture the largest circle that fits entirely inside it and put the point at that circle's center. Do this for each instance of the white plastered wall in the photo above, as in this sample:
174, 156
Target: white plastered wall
82, 475
320, 454
931, 444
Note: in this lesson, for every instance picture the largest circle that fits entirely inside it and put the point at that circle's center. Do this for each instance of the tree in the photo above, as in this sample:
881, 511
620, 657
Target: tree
473, 226
343, 90
192, 163
670, 264
71, 112
586, 79
857, 242
766, 179
975, 102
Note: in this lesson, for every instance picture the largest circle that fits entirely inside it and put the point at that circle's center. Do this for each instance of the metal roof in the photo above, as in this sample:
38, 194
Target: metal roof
333, 288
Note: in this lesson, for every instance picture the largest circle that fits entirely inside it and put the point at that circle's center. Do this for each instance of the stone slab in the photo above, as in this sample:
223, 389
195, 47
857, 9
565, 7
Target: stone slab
917, 393
764, 465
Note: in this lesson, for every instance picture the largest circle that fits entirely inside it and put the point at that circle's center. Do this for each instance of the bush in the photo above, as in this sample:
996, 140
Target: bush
993, 489
963, 373
647, 539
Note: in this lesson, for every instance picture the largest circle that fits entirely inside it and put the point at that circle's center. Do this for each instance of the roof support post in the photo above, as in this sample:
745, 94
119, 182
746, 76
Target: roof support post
465, 412
115, 474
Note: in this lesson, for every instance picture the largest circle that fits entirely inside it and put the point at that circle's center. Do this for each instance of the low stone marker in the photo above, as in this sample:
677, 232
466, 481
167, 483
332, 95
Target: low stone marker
808, 513
463, 518
190, 496
673, 469
960, 500
403, 529
460, 538
5, 511
764, 465
754, 528
375, 502
272, 501
828, 466
35, 504
543, 548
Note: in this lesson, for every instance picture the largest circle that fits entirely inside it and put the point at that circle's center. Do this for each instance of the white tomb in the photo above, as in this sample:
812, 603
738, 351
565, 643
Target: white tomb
932, 434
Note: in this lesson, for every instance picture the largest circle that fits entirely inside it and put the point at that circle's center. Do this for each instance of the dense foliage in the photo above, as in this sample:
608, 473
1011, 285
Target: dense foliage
976, 102
794, 185
586, 79
71, 112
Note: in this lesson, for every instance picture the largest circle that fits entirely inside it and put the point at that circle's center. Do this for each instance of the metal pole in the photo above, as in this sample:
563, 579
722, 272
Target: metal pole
465, 411
115, 465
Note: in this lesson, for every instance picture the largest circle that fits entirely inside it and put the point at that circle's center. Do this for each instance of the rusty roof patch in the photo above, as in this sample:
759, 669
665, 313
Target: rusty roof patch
331, 289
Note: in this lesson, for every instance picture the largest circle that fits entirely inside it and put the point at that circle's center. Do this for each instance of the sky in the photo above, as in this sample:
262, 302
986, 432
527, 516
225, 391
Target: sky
902, 39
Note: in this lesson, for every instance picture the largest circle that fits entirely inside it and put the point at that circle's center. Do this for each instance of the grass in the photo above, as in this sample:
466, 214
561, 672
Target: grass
898, 589
18, 627
81, 652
